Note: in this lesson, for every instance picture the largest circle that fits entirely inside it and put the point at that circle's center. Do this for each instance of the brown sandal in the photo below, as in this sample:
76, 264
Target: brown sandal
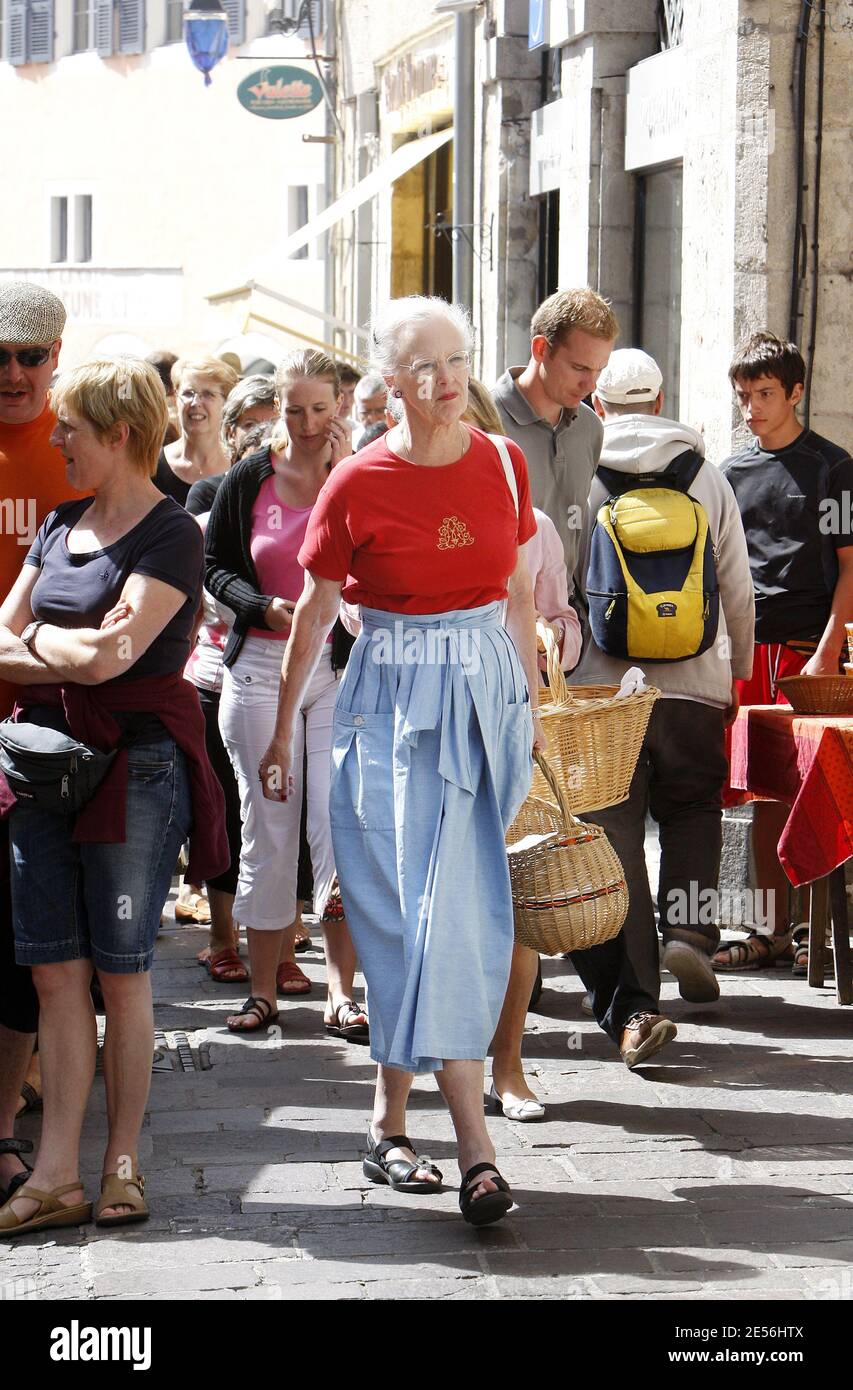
222, 966
289, 979
755, 953
121, 1192
258, 1008
50, 1212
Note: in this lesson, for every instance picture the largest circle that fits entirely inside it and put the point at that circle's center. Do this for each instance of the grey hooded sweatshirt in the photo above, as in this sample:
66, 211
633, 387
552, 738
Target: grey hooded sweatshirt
648, 444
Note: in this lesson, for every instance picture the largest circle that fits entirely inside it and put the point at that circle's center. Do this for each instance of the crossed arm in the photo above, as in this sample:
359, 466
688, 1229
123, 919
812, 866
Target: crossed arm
84, 655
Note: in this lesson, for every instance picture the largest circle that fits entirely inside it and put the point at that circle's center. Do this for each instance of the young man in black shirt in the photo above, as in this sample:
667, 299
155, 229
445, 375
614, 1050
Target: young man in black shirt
795, 490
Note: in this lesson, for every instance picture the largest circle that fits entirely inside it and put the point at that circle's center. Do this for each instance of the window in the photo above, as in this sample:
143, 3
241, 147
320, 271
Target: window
71, 228
670, 23
29, 31
119, 26
297, 215
83, 36
174, 21
657, 290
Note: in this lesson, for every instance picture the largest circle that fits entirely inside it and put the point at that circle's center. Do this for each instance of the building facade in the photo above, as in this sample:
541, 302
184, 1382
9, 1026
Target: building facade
143, 197
687, 158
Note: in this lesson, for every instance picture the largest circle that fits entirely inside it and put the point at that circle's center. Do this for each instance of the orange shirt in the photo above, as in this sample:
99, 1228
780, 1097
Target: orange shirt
32, 483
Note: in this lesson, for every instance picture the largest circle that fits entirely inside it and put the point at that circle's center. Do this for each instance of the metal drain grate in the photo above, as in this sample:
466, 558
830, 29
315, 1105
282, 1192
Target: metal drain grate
174, 1051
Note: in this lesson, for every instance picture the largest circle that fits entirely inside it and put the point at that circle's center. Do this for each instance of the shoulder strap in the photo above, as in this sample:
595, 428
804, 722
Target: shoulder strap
679, 474
509, 471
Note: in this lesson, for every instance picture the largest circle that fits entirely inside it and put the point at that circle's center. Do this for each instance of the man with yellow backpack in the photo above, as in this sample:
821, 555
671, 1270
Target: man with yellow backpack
669, 589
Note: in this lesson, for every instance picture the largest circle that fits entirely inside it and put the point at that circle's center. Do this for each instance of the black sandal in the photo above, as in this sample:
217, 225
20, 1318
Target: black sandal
15, 1146
352, 1032
398, 1174
259, 1008
492, 1206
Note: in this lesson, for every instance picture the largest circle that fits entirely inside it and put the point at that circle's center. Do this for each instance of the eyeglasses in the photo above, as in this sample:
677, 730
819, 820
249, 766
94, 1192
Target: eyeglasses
458, 363
26, 357
206, 396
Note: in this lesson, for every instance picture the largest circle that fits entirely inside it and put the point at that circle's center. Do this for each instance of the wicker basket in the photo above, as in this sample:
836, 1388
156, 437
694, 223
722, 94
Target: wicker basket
819, 694
568, 887
594, 740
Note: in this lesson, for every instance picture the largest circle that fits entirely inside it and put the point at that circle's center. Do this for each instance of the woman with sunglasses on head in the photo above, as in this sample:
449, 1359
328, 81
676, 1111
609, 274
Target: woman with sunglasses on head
432, 736
202, 385
256, 527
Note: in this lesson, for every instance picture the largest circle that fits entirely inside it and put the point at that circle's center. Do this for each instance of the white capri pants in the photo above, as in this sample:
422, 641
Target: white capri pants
269, 857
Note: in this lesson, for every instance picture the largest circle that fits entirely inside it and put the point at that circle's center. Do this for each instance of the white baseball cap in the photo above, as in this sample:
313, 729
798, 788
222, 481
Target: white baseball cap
630, 375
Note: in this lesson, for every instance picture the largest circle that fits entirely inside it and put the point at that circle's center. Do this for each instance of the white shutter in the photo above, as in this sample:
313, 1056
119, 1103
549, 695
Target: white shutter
40, 38
236, 12
16, 32
131, 26
104, 27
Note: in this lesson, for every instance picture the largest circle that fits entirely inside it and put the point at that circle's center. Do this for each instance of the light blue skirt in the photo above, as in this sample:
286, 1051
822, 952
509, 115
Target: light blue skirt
431, 760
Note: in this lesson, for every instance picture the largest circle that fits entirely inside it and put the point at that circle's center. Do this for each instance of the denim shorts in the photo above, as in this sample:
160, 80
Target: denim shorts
99, 901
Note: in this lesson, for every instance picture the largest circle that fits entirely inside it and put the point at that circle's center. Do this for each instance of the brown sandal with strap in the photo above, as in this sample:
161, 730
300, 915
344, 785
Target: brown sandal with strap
121, 1192
50, 1212
258, 1008
755, 953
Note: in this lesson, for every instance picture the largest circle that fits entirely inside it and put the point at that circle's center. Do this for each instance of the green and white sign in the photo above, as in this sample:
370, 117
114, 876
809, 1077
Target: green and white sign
280, 93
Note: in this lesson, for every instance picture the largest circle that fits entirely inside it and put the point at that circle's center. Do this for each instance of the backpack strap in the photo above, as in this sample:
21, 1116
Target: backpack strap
680, 474
509, 471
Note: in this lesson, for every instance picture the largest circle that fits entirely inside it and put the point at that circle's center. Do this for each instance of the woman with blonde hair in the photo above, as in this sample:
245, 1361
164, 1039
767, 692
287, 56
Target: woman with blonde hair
202, 385
257, 525
432, 733
96, 632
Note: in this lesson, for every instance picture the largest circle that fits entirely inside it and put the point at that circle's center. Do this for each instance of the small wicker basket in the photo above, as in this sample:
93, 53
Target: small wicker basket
594, 740
568, 887
819, 694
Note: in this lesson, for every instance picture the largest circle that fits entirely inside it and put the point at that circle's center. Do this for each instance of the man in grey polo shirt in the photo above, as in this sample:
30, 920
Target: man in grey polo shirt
541, 405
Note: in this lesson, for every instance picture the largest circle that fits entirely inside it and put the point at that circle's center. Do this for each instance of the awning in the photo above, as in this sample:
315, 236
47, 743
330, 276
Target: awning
394, 167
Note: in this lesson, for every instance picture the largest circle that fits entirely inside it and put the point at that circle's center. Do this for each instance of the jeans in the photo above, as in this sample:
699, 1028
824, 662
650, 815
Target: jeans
102, 901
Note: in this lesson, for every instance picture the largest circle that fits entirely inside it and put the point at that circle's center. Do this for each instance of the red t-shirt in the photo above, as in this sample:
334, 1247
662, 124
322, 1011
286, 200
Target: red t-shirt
408, 539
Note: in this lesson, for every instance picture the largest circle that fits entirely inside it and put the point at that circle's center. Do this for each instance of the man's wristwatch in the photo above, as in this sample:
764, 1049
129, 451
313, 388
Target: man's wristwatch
30, 631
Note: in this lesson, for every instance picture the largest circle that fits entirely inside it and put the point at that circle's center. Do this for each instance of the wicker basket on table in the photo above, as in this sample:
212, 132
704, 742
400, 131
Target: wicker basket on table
568, 887
819, 694
594, 740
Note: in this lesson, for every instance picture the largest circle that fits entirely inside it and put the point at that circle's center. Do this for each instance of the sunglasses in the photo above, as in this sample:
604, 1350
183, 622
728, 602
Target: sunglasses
26, 357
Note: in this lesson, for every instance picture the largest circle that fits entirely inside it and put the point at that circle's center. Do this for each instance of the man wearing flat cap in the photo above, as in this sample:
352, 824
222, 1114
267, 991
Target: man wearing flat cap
32, 483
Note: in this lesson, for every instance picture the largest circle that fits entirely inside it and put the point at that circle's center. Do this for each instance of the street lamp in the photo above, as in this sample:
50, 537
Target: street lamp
206, 34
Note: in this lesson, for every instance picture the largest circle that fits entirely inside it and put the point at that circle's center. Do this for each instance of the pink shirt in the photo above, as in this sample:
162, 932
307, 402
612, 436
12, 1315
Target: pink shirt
546, 561
277, 534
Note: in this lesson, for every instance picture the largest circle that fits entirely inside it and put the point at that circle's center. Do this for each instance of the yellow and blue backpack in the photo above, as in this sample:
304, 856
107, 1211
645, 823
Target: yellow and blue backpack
652, 582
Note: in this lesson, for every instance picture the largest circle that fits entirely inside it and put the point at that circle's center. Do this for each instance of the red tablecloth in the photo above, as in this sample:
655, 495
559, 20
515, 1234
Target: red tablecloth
805, 760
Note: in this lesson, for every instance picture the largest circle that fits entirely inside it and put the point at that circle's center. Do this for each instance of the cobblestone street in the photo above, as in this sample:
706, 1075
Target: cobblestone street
723, 1169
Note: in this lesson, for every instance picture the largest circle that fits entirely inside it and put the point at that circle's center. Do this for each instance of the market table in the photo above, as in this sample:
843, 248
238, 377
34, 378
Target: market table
806, 761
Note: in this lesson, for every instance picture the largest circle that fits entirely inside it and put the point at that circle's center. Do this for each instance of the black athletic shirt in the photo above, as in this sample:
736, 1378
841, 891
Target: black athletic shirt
796, 508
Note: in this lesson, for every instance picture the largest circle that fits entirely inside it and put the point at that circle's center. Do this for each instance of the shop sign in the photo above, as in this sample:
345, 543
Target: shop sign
280, 93
656, 110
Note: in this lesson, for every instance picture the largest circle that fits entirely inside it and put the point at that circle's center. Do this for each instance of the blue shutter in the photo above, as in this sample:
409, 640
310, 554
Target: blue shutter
104, 27
16, 32
40, 39
236, 12
131, 26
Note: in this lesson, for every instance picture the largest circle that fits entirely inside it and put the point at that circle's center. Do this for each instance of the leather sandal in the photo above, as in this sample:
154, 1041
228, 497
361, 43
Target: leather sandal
31, 1098
352, 1032
399, 1173
18, 1147
225, 967
121, 1192
258, 1008
755, 953
289, 975
49, 1213
492, 1206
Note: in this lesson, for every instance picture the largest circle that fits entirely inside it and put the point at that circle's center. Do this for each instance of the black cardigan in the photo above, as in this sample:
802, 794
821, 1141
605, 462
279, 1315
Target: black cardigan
229, 570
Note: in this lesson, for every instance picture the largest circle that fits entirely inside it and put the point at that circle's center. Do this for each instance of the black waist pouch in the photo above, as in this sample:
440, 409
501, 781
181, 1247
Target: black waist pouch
49, 769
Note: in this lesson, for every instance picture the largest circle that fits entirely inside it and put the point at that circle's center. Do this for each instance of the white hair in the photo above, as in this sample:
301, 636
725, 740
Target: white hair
390, 323
371, 384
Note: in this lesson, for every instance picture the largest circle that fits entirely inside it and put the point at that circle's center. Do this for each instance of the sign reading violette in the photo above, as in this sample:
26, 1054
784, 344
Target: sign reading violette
280, 93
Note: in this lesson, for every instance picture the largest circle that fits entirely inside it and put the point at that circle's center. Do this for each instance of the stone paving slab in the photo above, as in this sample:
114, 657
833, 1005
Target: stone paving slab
724, 1169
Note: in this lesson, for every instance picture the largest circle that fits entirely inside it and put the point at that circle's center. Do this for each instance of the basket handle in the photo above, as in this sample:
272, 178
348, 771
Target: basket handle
559, 690
557, 791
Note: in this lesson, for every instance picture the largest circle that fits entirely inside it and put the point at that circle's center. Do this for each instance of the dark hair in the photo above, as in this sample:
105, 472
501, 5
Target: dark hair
374, 431
766, 355
348, 375
253, 440
163, 361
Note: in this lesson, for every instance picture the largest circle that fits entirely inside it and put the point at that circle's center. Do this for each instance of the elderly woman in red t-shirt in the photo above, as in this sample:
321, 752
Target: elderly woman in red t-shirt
432, 737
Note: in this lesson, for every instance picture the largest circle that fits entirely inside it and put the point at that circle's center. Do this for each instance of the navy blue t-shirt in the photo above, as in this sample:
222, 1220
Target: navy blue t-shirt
77, 590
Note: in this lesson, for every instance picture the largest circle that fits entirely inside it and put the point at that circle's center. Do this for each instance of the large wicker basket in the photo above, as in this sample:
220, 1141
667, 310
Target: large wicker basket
819, 694
594, 740
568, 887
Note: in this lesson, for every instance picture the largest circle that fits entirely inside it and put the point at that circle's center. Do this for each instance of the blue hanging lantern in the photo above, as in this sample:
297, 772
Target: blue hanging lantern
206, 34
